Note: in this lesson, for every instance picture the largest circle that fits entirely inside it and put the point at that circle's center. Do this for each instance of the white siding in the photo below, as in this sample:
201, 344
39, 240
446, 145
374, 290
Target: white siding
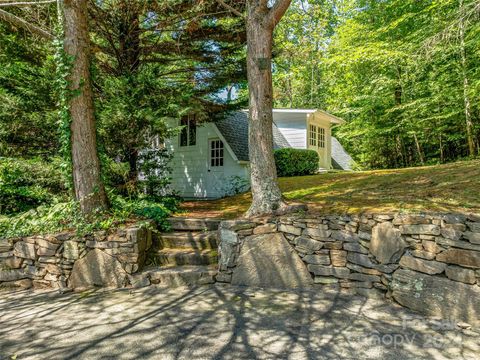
294, 128
190, 167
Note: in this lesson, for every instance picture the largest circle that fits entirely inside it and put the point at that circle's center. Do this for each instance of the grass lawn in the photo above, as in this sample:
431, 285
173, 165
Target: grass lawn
452, 187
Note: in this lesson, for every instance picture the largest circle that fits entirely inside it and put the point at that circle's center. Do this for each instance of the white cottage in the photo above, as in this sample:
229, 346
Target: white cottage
211, 159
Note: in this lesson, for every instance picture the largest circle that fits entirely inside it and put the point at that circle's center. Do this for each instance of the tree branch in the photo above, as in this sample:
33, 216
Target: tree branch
15, 20
26, 3
230, 8
277, 11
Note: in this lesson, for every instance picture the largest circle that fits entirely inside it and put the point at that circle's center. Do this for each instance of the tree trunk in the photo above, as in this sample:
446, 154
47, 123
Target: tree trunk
466, 85
129, 40
440, 144
133, 162
290, 91
261, 21
419, 149
87, 183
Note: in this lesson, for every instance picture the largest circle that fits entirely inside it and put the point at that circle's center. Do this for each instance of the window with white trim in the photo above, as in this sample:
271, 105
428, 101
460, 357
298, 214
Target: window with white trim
188, 134
216, 153
321, 137
312, 135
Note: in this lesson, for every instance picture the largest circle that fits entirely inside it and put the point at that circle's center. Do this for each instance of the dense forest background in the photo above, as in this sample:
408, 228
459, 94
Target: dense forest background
404, 74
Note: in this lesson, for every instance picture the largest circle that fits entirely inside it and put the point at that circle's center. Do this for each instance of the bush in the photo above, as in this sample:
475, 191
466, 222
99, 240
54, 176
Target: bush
28, 183
296, 162
155, 173
48, 219
34, 198
235, 185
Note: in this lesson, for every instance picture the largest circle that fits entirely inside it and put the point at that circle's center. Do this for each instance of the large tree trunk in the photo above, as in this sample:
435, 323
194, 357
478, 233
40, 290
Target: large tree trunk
87, 183
267, 197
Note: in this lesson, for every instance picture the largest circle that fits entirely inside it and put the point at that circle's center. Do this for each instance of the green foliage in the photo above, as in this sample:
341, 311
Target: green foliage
392, 69
155, 173
301, 40
34, 200
133, 108
156, 62
63, 68
26, 184
235, 185
61, 216
27, 95
143, 208
296, 162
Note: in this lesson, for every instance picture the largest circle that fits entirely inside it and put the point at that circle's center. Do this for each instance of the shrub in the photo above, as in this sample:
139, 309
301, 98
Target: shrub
235, 185
34, 198
48, 219
296, 162
28, 183
155, 173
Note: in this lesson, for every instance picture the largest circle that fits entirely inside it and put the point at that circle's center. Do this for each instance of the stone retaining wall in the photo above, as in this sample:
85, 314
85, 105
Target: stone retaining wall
429, 263
66, 261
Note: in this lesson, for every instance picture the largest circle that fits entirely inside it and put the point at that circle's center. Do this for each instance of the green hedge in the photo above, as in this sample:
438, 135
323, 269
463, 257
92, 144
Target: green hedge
296, 162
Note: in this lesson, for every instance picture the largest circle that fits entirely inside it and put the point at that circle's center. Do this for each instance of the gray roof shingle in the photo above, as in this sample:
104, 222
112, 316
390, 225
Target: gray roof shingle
234, 128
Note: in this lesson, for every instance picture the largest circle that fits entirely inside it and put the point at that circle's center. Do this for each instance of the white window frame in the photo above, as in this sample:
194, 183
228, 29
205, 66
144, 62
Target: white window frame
216, 153
312, 135
321, 137
191, 119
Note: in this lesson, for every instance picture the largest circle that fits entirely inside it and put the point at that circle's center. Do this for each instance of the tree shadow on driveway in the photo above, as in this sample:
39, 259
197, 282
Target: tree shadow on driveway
221, 322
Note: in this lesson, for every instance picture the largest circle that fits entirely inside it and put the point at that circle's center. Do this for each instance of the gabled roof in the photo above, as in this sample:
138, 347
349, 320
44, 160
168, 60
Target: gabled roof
332, 118
234, 128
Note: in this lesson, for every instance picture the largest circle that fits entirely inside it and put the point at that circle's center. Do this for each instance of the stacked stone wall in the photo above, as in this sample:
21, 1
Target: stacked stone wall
429, 263
66, 260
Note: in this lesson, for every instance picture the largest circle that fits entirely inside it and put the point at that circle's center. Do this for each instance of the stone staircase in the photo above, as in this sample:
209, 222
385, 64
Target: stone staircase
185, 256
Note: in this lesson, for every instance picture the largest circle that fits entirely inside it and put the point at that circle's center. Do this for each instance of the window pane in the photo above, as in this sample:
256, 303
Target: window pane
184, 131
321, 137
192, 126
184, 137
216, 153
313, 135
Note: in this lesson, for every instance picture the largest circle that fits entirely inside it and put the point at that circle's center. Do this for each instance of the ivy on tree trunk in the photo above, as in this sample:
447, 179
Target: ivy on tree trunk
87, 183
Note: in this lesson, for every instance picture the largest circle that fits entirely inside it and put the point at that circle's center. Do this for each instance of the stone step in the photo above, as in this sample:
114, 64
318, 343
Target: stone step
170, 257
188, 240
182, 275
187, 224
